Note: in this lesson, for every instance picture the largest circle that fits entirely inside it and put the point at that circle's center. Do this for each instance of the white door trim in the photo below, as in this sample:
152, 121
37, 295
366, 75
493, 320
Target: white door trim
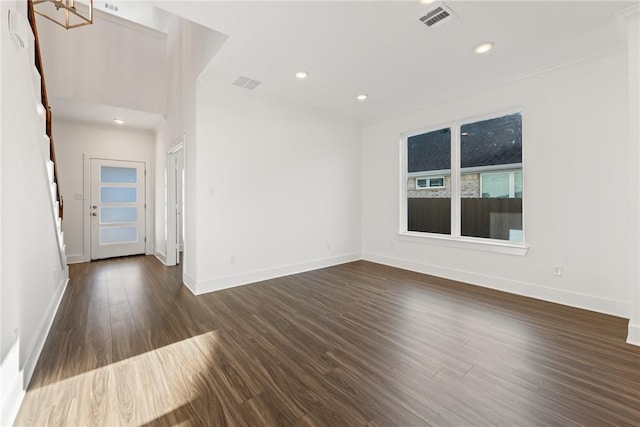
171, 258
86, 205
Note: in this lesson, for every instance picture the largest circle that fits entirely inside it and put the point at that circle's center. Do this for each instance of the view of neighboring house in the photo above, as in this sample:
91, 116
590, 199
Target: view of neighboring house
490, 168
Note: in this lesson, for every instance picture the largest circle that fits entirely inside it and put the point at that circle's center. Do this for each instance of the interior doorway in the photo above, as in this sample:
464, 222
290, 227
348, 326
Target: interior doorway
175, 202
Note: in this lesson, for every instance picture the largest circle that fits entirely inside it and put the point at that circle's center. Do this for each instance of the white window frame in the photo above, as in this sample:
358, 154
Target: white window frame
455, 239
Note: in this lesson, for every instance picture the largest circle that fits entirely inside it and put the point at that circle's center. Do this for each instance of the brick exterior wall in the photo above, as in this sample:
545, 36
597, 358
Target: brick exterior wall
470, 186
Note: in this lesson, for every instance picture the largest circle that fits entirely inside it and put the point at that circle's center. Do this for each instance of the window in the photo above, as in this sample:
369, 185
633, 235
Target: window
481, 196
430, 182
501, 184
429, 154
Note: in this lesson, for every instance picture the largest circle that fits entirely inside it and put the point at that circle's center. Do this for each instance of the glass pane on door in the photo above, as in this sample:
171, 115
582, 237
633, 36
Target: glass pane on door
120, 214
114, 174
118, 195
110, 235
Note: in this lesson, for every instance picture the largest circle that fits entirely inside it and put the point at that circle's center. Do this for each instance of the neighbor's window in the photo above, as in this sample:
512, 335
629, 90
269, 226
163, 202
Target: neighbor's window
488, 180
430, 182
501, 184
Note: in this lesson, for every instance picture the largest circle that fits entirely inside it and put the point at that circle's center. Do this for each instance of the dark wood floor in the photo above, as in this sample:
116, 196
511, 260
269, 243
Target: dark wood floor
357, 344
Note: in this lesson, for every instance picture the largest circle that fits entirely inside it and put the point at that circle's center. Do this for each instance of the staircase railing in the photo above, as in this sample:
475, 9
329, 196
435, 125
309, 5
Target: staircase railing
45, 104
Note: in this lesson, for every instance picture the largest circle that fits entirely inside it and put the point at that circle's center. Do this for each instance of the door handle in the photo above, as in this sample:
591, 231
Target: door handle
94, 207
94, 214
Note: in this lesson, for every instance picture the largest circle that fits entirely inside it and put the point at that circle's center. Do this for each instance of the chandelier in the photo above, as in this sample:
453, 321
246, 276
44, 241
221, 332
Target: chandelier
65, 12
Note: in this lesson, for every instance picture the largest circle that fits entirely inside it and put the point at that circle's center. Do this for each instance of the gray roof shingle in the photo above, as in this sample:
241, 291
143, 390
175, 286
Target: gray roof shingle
485, 143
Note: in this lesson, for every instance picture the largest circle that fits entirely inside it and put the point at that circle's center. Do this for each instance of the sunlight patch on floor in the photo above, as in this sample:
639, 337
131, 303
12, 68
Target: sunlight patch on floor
110, 395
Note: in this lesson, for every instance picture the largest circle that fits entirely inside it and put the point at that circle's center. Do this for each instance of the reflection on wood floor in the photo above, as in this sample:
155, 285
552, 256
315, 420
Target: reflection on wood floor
357, 344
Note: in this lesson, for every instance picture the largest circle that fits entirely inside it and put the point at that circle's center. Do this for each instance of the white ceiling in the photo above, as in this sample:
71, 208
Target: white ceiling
382, 49
377, 47
103, 114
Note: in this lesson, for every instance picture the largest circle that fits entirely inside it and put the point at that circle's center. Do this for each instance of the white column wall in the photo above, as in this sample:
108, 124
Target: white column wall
279, 188
631, 17
190, 48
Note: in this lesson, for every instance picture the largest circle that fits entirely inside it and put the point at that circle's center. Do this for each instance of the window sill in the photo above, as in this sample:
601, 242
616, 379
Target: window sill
466, 243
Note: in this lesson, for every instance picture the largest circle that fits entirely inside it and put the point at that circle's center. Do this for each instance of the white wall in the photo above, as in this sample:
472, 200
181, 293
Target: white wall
308, 218
86, 64
33, 278
76, 141
633, 37
171, 130
279, 188
580, 197
190, 48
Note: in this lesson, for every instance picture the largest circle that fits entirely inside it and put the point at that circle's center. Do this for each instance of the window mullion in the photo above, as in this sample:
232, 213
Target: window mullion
404, 154
455, 181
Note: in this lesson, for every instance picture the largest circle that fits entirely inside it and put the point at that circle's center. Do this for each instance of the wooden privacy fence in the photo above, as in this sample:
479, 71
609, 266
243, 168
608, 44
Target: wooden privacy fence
429, 215
486, 217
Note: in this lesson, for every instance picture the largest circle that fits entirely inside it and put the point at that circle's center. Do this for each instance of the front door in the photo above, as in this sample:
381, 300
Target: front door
117, 208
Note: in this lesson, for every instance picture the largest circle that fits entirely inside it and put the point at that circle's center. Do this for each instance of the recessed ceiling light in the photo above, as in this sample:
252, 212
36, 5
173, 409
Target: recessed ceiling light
464, 133
427, 1
362, 97
483, 47
118, 121
301, 75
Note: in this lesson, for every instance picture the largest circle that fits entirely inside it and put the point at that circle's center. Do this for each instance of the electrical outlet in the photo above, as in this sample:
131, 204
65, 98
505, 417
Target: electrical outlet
392, 246
78, 196
557, 270
328, 246
232, 260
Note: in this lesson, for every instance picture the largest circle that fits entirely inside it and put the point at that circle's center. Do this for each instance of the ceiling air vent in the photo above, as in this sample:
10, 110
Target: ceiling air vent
437, 15
246, 83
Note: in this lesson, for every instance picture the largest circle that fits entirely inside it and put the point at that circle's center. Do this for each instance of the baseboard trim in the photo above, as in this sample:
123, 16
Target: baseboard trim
572, 299
34, 354
16, 392
634, 334
189, 282
161, 257
13, 394
226, 282
76, 259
